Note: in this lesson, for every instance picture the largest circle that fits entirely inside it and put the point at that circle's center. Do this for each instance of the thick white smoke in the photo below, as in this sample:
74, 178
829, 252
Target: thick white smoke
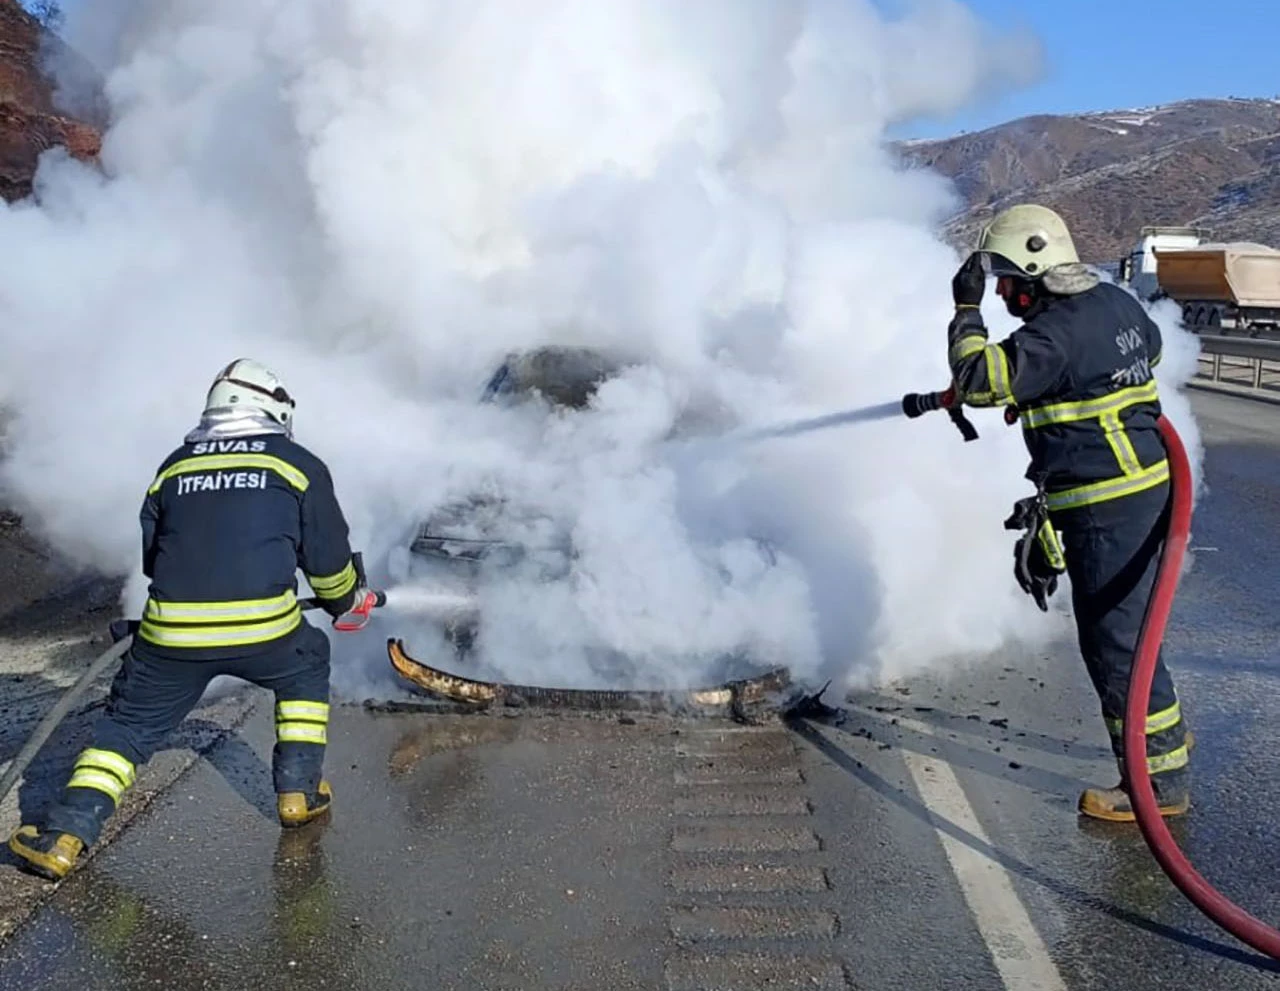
380, 199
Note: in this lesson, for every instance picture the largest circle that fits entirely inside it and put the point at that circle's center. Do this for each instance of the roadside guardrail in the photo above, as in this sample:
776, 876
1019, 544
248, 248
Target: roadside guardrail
1259, 356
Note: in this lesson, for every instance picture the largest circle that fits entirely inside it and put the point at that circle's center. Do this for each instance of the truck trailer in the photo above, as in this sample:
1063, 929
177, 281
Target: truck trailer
1223, 286
1138, 268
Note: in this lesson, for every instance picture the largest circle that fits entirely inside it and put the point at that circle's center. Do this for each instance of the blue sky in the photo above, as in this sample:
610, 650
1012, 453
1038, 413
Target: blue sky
1101, 55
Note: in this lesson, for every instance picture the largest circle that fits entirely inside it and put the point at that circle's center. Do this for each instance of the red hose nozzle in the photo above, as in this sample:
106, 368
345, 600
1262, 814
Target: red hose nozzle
918, 403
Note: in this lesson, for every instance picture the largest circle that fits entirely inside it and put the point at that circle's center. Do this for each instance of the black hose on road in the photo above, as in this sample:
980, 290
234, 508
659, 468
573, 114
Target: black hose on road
59, 712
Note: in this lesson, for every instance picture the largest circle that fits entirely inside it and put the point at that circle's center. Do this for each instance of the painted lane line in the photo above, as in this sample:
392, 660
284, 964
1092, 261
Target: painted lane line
1016, 948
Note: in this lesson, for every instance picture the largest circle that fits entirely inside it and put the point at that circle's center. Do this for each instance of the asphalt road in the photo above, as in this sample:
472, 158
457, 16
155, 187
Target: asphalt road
924, 837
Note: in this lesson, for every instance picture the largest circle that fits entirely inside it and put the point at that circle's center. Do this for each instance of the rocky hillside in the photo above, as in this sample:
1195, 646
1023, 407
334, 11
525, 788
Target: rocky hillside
1212, 163
29, 121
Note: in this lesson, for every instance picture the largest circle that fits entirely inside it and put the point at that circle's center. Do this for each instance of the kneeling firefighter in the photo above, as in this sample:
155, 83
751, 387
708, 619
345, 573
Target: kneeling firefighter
1078, 374
230, 517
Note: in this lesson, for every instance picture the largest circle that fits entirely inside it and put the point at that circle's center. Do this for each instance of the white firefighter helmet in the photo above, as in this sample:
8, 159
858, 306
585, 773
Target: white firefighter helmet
246, 382
1026, 241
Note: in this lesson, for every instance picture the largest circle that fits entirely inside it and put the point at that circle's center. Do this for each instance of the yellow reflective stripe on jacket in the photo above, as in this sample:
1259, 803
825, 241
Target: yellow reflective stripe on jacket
238, 610
302, 722
1107, 411
999, 390
231, 635
1157, 722
967, 345
223, 462
1119, 442
998, 374
334, 586
103, 770
1087, 409
1111, 488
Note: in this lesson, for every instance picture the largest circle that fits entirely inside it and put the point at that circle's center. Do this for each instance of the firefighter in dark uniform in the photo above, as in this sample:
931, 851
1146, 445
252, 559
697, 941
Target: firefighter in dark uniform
1078, 375
228, 520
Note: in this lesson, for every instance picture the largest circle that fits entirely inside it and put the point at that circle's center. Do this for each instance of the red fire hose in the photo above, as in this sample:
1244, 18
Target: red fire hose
1219, 909
1223, 912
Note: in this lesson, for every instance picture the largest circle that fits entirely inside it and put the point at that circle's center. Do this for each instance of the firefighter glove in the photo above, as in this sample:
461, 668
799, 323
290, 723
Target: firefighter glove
969, 282
1038, 559
1034, 568
357, 617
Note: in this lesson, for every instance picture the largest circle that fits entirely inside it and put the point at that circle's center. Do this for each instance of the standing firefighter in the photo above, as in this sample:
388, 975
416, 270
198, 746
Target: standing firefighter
229, 519
1078, 374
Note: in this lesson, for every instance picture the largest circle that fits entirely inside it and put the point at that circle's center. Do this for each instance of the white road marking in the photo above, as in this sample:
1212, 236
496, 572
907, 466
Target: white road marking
1016, 948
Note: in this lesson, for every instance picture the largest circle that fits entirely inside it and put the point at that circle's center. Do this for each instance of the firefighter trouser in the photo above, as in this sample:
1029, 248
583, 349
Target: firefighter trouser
1112, 555
151, 695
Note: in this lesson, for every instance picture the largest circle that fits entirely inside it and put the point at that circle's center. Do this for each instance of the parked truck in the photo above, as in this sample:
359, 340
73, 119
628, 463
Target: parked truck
1138, 267
1222, 286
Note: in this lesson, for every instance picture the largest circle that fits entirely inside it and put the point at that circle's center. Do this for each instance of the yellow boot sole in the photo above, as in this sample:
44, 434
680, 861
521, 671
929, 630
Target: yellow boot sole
1114, 805
291, 806
52, 865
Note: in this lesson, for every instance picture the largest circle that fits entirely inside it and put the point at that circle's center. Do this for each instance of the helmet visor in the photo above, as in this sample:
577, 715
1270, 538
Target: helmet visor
996, 264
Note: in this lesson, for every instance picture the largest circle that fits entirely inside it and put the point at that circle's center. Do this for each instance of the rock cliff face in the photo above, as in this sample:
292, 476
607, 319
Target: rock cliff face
1209, 163
30, 123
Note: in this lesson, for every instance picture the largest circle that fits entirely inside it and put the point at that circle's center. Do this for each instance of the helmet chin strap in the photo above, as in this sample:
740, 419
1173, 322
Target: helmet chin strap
1019, 304
1022, 296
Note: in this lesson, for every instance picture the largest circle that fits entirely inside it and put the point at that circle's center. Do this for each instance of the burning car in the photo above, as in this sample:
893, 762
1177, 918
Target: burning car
470, 541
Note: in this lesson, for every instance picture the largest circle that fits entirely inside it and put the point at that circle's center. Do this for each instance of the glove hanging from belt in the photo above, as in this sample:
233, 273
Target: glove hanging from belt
1037, 556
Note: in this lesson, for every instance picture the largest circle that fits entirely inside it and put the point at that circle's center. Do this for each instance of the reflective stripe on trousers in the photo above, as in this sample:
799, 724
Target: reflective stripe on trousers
1174, 760
104, 771
302, 722
1159, 724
